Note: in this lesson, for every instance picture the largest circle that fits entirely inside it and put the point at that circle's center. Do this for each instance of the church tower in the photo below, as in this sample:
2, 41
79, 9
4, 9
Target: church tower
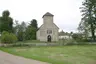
48, 18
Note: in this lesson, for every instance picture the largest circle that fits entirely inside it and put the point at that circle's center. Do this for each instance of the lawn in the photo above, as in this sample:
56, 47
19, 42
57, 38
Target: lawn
85, 54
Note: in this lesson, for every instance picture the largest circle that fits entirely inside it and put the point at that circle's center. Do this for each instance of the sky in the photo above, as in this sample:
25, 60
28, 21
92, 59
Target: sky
66, 13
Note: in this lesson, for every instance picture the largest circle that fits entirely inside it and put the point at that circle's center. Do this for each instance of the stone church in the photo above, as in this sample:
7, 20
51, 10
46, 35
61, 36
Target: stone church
48, 31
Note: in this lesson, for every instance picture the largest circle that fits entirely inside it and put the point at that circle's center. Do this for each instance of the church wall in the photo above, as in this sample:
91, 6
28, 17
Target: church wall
55, 35
42, 33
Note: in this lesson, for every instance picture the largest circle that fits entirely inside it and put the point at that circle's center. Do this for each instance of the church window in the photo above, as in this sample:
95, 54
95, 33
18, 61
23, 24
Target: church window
49, 31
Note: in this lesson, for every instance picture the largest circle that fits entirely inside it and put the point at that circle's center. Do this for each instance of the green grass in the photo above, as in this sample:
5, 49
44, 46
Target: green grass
85, 54
30, 41
0, 39
37, 41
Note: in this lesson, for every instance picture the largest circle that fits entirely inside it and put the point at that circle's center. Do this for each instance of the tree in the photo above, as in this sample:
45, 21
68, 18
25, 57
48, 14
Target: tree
88, 22
16, 27
77, 36
34, 24
6, 22
31, 30
30, 33
20, 30
25, 32
23, 25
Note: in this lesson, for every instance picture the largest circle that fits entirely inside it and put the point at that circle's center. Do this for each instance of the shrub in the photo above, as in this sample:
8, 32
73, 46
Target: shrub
8, 37
68, 42
83, 43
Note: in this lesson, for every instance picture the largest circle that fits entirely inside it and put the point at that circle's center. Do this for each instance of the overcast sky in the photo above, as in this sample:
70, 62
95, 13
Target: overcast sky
66, 12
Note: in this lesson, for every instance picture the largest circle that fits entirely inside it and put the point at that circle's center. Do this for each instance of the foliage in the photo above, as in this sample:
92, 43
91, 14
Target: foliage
7, 37
83, 43
26, 32
88, 21
77, 36
31, 30
6, 22
21, 36
34, 24
22, 31
19, 30
30, 33
68, 42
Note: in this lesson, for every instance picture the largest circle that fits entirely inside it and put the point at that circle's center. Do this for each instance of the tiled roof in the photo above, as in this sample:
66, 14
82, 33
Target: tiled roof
48, 14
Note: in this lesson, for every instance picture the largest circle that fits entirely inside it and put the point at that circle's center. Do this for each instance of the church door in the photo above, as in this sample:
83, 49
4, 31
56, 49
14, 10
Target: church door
49, 38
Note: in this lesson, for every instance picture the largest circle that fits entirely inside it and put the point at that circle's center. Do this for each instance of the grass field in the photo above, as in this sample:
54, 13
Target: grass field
85, 54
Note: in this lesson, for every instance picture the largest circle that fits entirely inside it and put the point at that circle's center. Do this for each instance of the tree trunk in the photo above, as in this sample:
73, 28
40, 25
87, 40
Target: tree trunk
92, 32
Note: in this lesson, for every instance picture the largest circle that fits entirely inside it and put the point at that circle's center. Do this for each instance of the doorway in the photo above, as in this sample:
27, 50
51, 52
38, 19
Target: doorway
49, 38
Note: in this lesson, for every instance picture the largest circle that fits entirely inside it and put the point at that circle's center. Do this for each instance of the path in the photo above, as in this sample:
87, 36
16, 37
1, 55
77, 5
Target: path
6, 58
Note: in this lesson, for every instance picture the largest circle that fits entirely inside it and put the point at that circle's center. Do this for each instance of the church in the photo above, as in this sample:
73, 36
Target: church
48, 31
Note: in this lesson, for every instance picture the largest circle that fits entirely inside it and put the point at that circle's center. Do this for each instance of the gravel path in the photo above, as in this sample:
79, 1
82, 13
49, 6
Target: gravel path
6, 58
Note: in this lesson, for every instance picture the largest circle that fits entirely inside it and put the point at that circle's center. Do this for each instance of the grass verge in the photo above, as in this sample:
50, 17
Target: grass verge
85, 54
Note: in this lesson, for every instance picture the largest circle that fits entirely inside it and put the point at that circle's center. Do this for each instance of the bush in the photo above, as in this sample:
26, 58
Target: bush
68, 42
83, 43
8, 37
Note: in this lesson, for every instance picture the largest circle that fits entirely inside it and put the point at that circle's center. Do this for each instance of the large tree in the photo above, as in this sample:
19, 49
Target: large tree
20, 30
31, 30
34, 24
6, 22
88, 21
30, 33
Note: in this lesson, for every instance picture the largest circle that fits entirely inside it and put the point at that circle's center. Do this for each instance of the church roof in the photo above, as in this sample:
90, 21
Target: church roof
48, 14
